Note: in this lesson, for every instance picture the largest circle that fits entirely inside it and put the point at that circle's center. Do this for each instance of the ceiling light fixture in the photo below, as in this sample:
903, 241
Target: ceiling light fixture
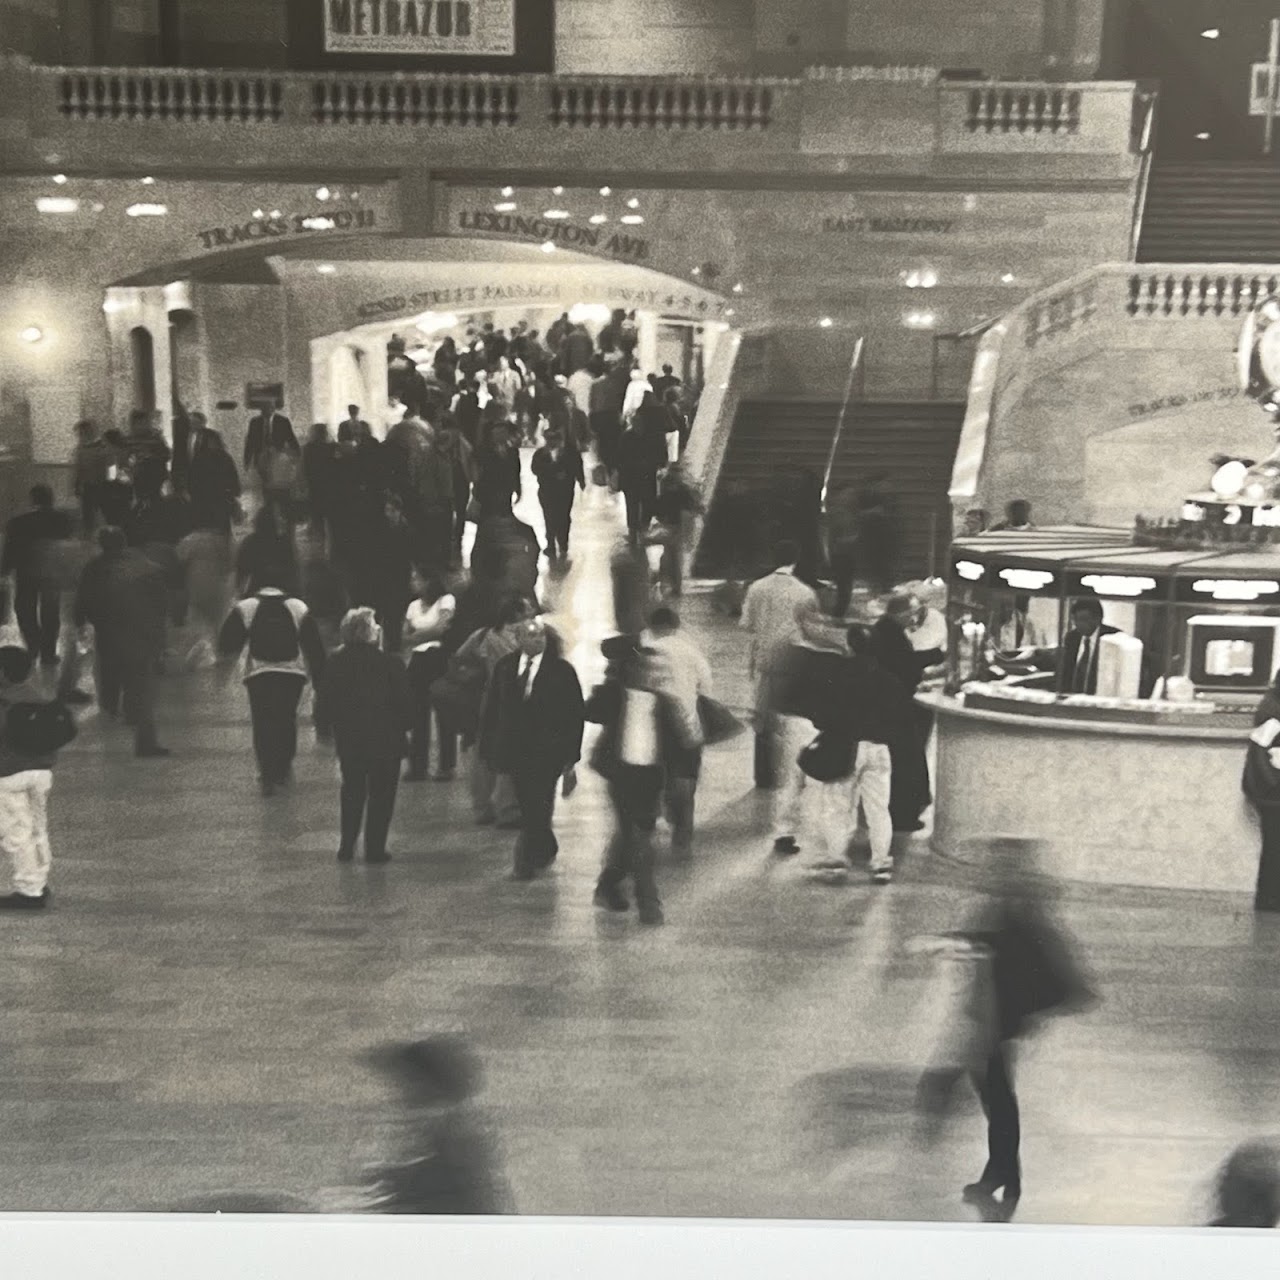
633, 203
257, 213
826, 322
1007, 278
632, 219
147, 210
275, 213
739, 287
323, 193
555, 215
557, 191
505, 206
1210, 33
508, 191
326, 269
57, 204
597, 218
148, 182
1202, 137
318, 224
60, 179
606, 191
31, 334
548, 247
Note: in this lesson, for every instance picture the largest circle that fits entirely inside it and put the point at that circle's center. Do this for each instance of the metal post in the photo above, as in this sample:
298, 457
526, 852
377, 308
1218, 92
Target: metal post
1273, 83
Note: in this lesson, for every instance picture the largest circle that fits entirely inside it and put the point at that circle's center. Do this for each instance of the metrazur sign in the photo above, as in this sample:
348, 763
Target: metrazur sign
418, 28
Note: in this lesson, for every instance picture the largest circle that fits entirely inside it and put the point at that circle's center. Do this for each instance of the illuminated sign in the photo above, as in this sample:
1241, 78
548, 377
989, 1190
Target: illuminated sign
1026, 579
1267, 517
1110, 584
1192, 511
1233, 589
969, 571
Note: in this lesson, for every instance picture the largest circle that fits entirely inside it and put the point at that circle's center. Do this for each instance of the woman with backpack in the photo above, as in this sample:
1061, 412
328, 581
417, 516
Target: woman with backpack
283, 647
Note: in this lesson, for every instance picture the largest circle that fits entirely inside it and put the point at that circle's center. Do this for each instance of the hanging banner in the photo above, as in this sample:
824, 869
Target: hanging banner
421, 28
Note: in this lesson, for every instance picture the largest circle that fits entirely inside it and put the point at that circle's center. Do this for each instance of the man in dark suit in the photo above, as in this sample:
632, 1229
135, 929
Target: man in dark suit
531, 728
266, 427
36, 604
1078, 667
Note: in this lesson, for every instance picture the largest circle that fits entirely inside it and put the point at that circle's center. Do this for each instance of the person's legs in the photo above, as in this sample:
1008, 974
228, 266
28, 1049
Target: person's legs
38, 789
1267, 893
26, 598
50, 605
420, 677
873, 785
1004, 1134
536, 846
18, 837
679, 797
836, 816
273, 706
793, 735
138, 680
355, 790
384, 779
550, 525
106, 678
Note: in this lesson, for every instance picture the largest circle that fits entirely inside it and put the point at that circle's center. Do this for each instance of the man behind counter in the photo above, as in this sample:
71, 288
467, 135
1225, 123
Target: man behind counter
1078, 666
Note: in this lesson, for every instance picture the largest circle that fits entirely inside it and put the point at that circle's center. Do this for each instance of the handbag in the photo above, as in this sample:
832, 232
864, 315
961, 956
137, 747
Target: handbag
828, 758
719, 724
473, 511
600, 475
458, 695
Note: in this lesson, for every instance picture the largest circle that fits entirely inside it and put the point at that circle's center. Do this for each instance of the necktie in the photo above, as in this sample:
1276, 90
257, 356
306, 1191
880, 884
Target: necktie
525, 671
1081, 681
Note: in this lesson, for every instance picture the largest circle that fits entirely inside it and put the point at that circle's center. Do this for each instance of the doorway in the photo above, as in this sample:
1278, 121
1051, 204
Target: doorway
142, 351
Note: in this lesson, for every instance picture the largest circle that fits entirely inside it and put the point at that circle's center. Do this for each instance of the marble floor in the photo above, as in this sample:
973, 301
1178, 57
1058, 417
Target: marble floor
189, 1015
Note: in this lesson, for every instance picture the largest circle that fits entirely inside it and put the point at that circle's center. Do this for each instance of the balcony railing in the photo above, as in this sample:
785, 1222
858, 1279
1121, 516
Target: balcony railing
1057, 326
814, 114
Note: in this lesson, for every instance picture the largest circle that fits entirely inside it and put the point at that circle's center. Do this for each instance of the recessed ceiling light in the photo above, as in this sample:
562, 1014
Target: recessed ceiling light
508, 191
57, 204
147, 210
505, 206
548, 247
826, 322
555, 215
60, 179
557, 191
606, 191
1211, 33
632, 219
326, 269
598, 218
31, 334
148, 182
1203, 137
633, 203
697, 271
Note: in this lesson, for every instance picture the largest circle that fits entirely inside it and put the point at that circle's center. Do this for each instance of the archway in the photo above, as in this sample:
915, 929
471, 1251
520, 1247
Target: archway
142, 351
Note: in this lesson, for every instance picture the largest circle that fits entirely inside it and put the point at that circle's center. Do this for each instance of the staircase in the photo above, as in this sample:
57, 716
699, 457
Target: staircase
914, 443
1212, 212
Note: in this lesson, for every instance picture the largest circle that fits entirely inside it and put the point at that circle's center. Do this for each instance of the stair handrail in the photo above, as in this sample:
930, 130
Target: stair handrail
857, 375
1146, 148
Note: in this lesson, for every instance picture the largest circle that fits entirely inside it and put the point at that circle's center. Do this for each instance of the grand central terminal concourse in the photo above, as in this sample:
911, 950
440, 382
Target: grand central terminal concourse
641, 610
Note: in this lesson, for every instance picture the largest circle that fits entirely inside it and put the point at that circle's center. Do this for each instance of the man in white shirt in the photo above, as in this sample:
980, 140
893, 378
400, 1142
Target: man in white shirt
769, 613
580, 387
428, 618
689, 678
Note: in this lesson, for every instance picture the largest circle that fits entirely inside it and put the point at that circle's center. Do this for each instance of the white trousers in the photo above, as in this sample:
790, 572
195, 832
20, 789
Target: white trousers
24, 829
794, 733
838, 803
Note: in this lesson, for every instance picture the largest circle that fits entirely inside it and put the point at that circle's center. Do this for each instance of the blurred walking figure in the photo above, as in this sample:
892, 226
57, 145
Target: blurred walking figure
769, 614
205, 556
1248, 1188
365, 700
631, 755
284, 647
444, 1159
1262, 786
557, 467
1031, 973
36, 599
427, 623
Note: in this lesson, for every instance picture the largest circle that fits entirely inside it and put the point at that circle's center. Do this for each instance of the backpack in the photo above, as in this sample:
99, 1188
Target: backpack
39, 728
273, 634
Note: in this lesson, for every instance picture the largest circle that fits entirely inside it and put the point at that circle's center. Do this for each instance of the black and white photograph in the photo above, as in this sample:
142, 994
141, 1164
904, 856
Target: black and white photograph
640, 611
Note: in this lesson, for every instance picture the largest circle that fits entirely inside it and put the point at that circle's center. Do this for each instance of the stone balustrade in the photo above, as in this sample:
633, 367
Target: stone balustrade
815, 114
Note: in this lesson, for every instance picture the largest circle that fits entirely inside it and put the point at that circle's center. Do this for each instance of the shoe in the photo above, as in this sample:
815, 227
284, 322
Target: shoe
375, 859
611, 898
267, 788
346, 855
883, 876
24, 901
153, 753
651, 914
786, 846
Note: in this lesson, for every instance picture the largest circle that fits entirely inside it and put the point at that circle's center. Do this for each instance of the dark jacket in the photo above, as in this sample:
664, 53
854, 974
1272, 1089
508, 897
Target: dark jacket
213, 485
366, 701
557, 476
1261, 781
126, 600
260, 434
1071, 652
542, 730
894, 653
27, 537
497, 481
